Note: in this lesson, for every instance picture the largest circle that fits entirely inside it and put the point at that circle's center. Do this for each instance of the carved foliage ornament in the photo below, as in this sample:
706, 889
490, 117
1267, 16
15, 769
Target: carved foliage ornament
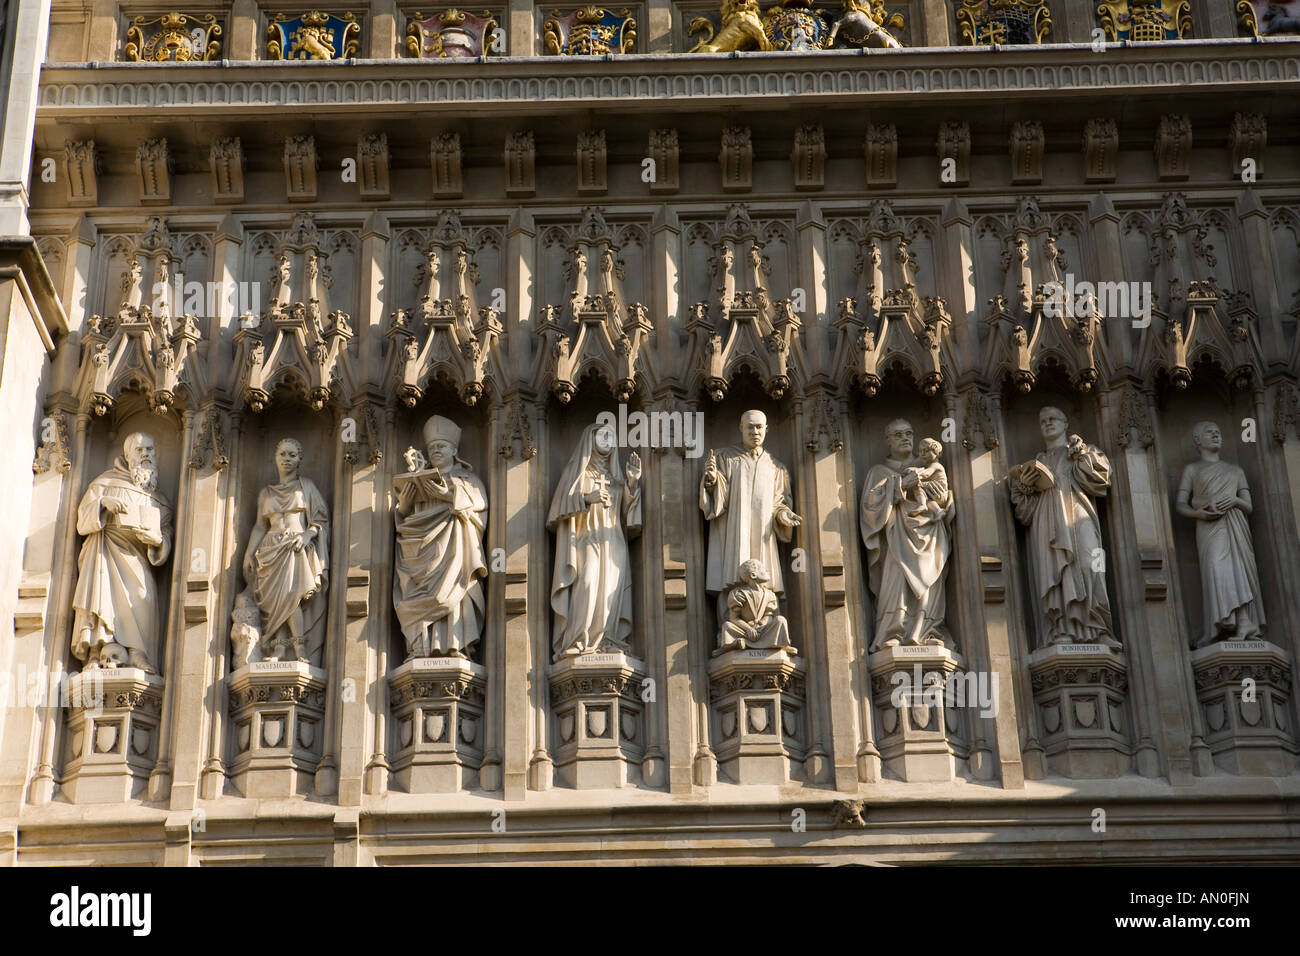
452, 33
313, 36
985, 22
590, 31
176, 37
1149, 20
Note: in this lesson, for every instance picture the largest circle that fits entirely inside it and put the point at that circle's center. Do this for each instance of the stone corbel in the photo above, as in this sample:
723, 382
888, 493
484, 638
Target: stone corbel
300, 165
954, 144
372, 166
737, 159
153, 163
445, 159
882, 155
1027, 153
1247, 137
809, 157
521, 164
81, 169
300, 344
227, 159
1200, 329
664, 152
858, 352
591, 157
1100, 148
1173, 147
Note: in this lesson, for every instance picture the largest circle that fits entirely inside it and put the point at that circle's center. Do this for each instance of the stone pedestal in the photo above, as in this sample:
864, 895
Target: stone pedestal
1246, 728
276, 714
437, 724
599, 733
112, 734
919, 694
758, 703
1079, 693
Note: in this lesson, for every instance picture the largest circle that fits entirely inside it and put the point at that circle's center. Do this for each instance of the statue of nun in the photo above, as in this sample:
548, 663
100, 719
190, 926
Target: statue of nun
591, 592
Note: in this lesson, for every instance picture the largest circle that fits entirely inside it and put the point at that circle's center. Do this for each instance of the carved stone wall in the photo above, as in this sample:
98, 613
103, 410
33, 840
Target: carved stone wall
834, 302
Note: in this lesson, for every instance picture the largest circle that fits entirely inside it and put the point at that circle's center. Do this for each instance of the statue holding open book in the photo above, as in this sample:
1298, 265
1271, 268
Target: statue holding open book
438, 577
1053, 495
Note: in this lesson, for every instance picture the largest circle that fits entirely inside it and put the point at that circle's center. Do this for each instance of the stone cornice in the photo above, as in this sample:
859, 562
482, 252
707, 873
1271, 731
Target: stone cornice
646, 82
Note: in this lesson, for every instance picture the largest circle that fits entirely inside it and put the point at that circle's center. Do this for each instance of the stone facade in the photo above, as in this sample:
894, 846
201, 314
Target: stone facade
466, 230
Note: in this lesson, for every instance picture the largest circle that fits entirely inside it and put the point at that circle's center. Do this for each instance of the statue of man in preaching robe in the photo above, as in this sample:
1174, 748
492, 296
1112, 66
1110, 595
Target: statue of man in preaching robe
745, 496
1215, 493
287, 560
1053, 496
438, 578
905, 516
128, 530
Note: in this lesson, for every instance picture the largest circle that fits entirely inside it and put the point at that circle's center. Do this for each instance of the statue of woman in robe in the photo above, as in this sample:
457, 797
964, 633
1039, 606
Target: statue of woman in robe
591, 592
1215, 493
287, 559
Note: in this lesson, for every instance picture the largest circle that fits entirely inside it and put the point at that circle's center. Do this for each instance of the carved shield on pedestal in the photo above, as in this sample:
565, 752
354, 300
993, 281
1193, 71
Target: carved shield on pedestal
272, 731
566, 727
1051, 718
758, 718
1250, 712
405, 731
77, 740
243, 736
1214, 715
140, 737
597, 722
469, 729
435, 726
728, 724
306, 733
1279, 714
627, 724
1116, 716
1085, 712
790, 722
105, 738
889, 719
920, 714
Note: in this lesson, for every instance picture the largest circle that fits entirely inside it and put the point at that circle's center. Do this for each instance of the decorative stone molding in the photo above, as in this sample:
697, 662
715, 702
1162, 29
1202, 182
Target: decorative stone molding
809, 157
740, 327
516, 430
276, 729
824, 432
1134, 419
1243, 688
954, 144
437, 724
175, 37
1100, 149
300, 165
445, 338
1080, 693
142, 347
112, 739
1173, 147
153, 164
1247, 137
445, 159
227, 159
81, 166
599, 732
1027, 153
882, 155
521, 163
920, 729
979, 418
757, 699
54, 453
609, 333
372, 166
591, 163
290, 344
211, 444
664, 152
1286, 412
737, 159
